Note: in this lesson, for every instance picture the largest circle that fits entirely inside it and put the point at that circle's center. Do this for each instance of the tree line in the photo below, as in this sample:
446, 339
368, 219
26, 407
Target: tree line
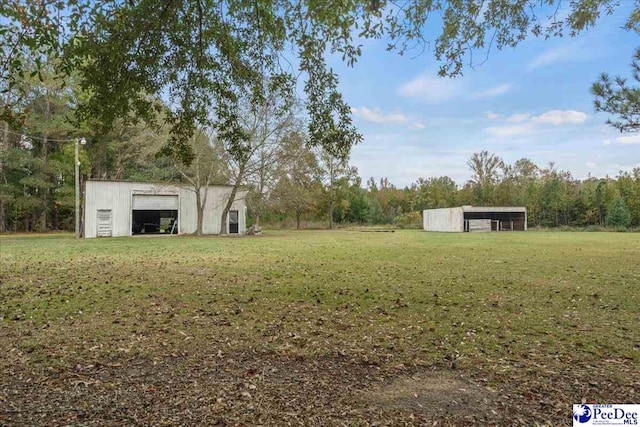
288, 180
553, 197
204, 92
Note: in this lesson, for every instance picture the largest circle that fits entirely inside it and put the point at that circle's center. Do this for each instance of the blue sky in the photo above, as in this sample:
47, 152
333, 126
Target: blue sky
532, 101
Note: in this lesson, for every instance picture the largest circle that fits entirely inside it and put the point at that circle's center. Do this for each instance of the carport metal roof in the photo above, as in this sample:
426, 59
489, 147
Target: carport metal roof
494, 209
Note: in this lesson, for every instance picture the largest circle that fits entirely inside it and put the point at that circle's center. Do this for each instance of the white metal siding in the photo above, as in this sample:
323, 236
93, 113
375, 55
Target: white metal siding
445, 219
156, 202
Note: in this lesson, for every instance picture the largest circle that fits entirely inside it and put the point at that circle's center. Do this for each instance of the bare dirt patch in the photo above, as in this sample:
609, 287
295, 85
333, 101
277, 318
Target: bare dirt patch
433, 394
244, 388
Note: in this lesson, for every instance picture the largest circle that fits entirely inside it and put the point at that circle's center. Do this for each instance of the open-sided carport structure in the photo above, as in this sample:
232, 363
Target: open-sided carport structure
118, 208
475, 218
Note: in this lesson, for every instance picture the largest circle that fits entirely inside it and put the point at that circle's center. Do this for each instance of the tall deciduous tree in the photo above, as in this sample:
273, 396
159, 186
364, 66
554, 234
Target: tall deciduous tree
432, 193
206, 169
206, 56
485, 170
277, 154
336, 173
265, 124
299, 187
203, 53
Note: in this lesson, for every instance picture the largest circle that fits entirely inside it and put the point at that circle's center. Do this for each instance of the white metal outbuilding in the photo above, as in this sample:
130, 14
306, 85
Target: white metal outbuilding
118, 208
475, 218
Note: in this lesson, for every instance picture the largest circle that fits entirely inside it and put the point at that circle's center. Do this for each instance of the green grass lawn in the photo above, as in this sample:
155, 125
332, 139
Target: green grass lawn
318, 328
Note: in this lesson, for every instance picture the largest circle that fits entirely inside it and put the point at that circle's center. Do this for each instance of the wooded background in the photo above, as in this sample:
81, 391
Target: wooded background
204, 93
290, 183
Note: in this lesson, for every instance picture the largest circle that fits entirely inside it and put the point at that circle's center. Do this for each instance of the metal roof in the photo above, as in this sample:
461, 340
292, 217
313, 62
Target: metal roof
494, 209
174, 183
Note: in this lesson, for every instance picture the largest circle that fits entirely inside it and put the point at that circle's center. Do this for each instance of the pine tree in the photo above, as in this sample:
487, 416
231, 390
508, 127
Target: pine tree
619, 215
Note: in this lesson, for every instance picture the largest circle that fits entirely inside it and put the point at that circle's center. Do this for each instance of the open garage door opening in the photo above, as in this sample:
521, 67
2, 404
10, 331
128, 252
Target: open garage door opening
154, 214
154, 222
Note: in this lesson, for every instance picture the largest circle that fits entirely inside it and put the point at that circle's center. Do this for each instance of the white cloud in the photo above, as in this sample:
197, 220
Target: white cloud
434, 89
591, 165
509, 131
633, 139
561, 117
526, 124
404, 160
377, 116
554, 55
431, 89
492, 116
492, 92
606, 141
587, 48
417, 125
517, 118
548, 57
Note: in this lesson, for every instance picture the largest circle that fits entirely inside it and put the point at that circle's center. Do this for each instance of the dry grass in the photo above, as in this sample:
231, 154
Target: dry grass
299, 327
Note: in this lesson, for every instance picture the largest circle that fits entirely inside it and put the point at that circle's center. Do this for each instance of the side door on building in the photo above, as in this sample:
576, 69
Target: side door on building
105, 224
233, 222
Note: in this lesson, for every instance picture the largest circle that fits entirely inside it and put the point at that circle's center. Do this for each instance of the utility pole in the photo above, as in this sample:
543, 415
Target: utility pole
78, 141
